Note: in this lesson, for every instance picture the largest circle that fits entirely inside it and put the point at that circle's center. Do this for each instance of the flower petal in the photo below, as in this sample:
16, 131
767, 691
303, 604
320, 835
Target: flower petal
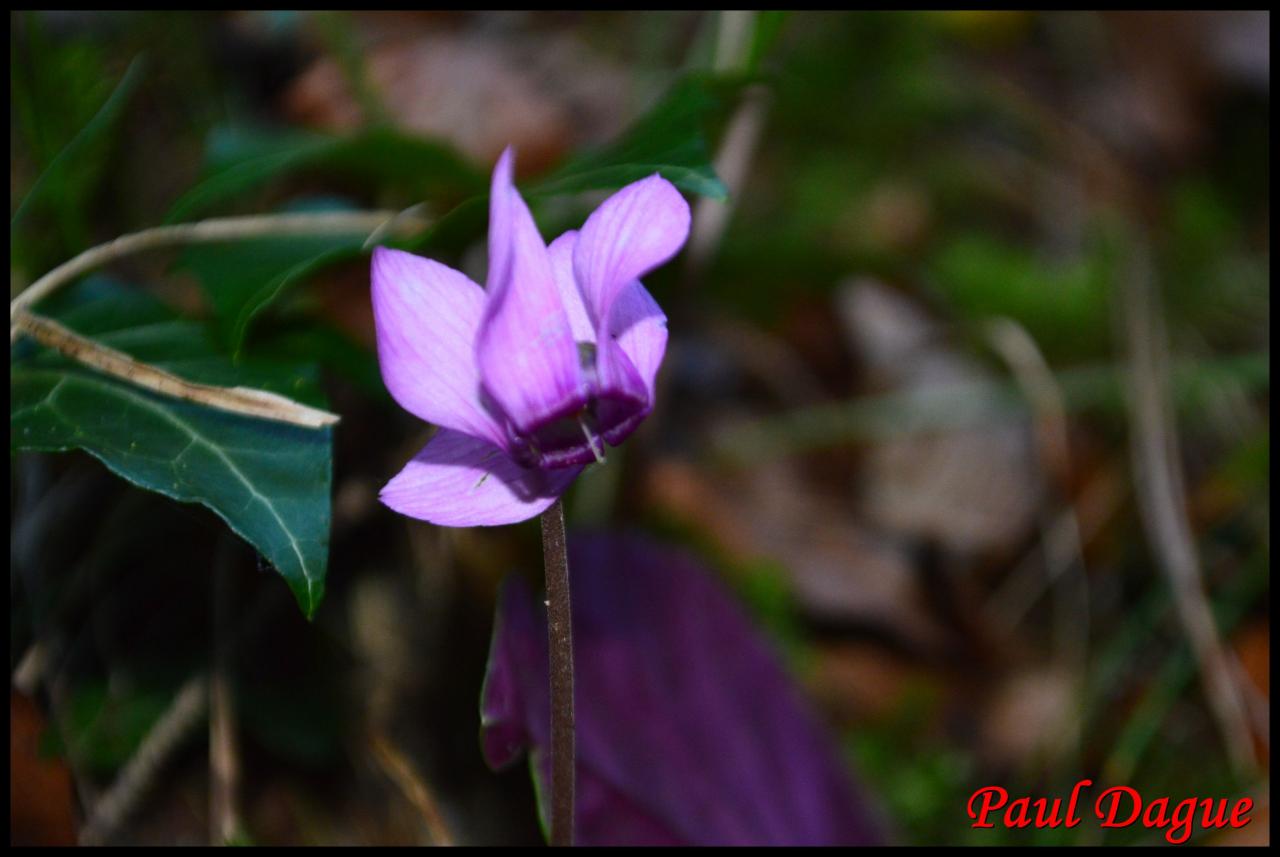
639, 327
461, 481
561, 251
527, 355
622, 399
627, 360
632, 232
427, 316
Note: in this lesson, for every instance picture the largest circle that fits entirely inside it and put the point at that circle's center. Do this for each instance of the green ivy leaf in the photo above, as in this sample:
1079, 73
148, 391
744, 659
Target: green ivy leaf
668, 139
71, 159
240, 160
269, 481
242, 278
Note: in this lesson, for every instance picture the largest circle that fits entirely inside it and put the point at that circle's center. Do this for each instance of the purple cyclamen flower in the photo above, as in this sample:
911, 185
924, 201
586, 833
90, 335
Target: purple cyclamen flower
529, 377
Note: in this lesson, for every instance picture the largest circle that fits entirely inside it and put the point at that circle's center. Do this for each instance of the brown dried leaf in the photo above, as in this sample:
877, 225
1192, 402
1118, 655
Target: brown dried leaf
838, 569
479, 92
41, 799
969, 489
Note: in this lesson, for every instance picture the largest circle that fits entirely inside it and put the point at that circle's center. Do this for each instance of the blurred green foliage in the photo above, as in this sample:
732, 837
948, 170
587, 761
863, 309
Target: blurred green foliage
65, 106
105, 725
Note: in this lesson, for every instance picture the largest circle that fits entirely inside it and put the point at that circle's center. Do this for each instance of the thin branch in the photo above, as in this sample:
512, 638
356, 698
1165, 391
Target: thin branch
224, 761
224, 751
401, 771
240, 400
738, 143
174, 726
1162, 504
179, 721
1060, 535
31, 666
1009, 604
560, 638
237, 400
205, 231
956, 404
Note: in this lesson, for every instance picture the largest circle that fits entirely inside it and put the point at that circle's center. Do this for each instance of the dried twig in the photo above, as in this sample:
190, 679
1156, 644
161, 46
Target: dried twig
224, 762
178, 723
1059, 533
737, 149
415, 789
204, 232
224, 752
31, 666
238, 400
1025, 584
1162, 503
174, 726
257, 403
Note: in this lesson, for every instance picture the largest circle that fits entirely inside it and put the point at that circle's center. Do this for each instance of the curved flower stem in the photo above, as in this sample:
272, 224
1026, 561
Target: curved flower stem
205, 231
560, 639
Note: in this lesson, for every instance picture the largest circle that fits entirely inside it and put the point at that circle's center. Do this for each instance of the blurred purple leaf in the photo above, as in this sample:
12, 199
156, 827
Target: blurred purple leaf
689, 730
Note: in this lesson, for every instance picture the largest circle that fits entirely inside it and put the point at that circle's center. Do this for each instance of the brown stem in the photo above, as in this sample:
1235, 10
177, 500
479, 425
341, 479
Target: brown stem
560, 638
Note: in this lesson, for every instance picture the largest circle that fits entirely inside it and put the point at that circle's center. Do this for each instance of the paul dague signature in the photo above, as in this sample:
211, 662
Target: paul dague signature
1118, 806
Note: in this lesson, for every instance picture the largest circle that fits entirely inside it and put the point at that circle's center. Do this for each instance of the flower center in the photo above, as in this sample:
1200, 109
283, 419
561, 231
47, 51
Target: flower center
576, 434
